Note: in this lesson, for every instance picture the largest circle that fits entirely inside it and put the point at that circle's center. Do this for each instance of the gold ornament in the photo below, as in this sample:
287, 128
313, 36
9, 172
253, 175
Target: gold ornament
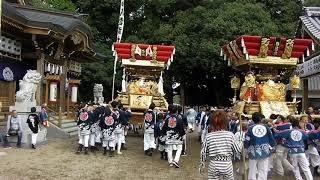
264, 47
154, 54
250, 80
295, 82
133, 55
288, 49
274, 91
235, 82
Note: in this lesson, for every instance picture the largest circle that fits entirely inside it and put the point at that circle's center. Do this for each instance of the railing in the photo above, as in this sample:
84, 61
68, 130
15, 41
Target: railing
52, 115
57, 115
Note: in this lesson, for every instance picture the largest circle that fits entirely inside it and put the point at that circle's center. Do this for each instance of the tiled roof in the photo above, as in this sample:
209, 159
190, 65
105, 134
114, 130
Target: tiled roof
311, 21
56, 21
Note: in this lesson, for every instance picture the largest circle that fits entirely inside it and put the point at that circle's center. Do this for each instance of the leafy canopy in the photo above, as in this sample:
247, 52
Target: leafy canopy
196, 28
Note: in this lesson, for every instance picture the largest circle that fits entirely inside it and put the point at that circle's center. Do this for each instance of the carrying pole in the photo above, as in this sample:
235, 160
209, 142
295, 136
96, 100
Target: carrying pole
243, 151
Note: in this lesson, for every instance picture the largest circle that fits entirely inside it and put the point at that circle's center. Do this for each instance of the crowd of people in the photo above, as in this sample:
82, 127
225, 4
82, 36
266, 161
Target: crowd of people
276, 144
272, 145
108, 125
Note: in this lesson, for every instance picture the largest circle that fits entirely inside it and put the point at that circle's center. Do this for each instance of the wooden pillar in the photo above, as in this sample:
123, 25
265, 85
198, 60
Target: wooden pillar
305, 97
62, 96
40, 69
47, 92
68, 102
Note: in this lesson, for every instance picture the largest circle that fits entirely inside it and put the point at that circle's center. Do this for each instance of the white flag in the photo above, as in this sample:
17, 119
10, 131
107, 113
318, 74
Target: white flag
53, 70
57, 69
149, 51
138, 50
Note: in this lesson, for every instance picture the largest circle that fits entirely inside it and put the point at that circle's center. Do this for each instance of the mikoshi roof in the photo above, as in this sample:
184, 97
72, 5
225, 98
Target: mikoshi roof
49, 22
247, 50
144, 54
311, 21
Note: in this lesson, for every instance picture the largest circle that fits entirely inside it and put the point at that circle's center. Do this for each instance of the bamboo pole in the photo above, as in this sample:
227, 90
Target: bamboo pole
114, 76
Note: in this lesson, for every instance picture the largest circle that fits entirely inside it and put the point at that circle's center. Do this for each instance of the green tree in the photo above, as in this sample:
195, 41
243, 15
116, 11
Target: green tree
64, 5
196, 28
314, 3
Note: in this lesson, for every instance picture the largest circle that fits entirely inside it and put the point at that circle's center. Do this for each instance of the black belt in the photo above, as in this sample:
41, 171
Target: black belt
221, 158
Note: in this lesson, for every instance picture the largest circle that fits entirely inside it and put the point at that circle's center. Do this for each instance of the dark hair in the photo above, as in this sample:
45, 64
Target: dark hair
174, 110
291, 118
33, 109
179, 109
114, 104
218, 121
152, 106
170, 107
282, 117
295, 123
316, 120
273, 116
120, 106
303, 116
160, 116
107, 111
257, 117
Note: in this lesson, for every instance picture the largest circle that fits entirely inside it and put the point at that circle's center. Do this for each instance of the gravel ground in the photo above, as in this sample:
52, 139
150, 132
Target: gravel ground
57, 160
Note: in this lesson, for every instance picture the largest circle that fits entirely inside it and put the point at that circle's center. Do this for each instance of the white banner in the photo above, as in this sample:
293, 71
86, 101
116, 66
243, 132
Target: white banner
121, 22
309, 67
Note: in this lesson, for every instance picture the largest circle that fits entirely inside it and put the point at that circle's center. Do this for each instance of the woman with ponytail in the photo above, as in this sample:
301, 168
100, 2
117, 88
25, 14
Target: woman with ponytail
219, 147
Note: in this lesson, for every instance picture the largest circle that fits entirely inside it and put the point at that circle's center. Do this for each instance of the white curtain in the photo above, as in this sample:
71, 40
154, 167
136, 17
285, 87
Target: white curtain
124, 83
160, 85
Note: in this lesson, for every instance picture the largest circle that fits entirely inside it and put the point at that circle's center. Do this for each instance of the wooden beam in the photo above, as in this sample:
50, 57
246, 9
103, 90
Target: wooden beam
305, 97
31, 55
40, 69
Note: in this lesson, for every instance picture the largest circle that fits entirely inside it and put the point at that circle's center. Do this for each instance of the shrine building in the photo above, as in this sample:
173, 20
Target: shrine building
52, 42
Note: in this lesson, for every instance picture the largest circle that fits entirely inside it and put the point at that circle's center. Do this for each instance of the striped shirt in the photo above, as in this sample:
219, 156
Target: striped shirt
220, 144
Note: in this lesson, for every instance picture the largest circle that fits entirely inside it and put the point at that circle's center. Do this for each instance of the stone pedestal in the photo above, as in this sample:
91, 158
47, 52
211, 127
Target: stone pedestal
24, 109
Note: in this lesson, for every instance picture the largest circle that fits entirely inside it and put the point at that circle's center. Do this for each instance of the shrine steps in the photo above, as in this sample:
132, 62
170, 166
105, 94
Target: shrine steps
68, 126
